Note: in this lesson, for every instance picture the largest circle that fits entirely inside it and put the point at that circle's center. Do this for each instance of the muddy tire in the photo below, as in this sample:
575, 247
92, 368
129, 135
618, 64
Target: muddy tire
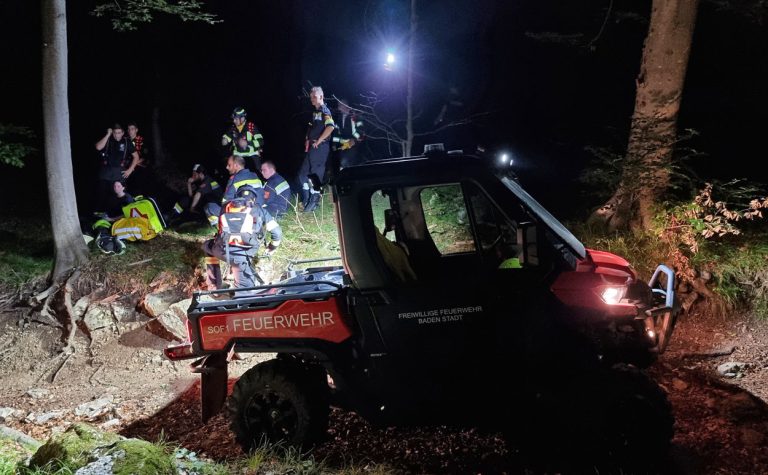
279, 400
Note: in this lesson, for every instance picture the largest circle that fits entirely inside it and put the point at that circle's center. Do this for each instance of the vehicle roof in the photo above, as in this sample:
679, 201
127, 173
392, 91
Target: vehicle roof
437, 165
447, 167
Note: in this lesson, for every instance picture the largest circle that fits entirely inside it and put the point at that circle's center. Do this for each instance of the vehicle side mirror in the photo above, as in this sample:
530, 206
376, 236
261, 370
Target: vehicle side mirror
526, 238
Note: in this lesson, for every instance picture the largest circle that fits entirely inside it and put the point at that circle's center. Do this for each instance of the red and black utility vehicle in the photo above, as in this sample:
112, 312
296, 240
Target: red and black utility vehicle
459, 299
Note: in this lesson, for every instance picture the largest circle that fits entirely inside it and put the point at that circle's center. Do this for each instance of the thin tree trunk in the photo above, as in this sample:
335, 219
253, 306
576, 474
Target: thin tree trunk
653, 132
409, 94
158, 153
70, 247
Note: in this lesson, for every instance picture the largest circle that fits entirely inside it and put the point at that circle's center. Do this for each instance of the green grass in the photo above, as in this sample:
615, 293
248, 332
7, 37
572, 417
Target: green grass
12, 455
643, 251
276, 458
265, 458
308, 235
740, 270
26, 249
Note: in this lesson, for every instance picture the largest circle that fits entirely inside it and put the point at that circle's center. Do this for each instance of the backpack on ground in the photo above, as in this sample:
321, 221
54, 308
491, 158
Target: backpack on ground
145, 207
133, 229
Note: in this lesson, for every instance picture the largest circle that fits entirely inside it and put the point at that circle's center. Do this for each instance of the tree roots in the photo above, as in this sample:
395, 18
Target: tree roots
57, 310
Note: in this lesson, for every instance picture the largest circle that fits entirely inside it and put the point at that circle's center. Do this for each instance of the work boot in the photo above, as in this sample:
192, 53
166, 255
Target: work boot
305, 199
314, 201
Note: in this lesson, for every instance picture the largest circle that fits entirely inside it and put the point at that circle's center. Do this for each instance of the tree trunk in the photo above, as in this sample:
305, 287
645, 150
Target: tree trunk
70, 247
158, 153
409, 94
654, 122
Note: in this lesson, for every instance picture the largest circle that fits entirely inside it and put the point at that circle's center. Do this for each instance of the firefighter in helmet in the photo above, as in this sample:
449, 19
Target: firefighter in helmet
243, 139
243, 226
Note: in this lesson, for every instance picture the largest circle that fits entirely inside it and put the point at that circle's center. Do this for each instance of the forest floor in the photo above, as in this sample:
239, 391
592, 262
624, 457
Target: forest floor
122, 383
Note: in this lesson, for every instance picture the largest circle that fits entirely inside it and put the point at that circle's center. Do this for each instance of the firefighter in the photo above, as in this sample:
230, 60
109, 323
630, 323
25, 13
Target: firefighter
277, 192
201, 190
139, 180
312, 172
118, 161
239, 176
243, 139
349, 134
242, 227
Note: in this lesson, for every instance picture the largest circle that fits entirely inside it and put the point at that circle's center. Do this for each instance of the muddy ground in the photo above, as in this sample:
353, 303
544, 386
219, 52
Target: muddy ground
721, 422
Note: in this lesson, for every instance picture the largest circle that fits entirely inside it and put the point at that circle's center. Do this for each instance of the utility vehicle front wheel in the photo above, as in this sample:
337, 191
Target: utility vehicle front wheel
630, 419
279, 400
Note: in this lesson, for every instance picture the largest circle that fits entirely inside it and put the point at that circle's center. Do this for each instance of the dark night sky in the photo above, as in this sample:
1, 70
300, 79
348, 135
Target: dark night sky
546, 101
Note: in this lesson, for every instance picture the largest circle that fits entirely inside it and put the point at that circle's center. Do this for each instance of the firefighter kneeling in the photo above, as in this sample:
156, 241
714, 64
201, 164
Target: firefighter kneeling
242, 227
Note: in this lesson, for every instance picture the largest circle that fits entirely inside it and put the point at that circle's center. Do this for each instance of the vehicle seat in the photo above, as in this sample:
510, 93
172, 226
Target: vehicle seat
396, 258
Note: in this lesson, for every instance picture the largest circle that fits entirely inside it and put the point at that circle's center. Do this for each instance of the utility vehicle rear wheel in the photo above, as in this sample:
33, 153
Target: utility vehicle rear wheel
279, 401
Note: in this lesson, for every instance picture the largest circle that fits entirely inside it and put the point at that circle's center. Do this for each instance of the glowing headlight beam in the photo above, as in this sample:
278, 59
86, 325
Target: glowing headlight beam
612, 295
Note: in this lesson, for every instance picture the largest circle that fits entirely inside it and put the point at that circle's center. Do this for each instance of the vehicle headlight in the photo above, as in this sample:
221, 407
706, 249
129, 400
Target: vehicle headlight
614, 294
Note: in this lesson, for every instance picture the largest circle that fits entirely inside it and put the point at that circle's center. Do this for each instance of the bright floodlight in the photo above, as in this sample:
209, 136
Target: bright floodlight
390, 58
504, 157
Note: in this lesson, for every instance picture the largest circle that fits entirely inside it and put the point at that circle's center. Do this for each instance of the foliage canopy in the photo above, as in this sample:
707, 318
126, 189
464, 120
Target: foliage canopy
14, 147
126, 15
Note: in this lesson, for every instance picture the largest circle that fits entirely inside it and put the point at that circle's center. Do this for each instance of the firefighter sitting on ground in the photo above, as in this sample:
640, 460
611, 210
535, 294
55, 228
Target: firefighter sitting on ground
201, 190
243, 225
239, 176
101, 226
277, 192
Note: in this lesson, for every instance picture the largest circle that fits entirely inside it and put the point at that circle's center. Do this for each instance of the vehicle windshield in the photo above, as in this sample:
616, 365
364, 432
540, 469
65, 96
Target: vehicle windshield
549, 221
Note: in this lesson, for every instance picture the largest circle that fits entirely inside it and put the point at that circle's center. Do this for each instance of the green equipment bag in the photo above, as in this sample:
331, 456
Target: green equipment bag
146, 208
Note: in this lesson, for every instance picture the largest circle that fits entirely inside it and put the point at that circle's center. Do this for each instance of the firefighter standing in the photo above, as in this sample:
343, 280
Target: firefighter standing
243, 139
140, 178
239, 177
312, 171
241, 228
349, 134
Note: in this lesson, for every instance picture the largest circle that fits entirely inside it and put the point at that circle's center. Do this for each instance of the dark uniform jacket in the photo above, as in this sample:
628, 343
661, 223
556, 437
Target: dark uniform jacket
277, 194
242, 178
252, 136
115, 157
349, 127
210, 190
321, 118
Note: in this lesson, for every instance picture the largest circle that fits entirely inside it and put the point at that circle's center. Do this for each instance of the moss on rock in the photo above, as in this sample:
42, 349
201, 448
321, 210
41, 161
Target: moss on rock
73, 448
12, 453
86, 450
140, 458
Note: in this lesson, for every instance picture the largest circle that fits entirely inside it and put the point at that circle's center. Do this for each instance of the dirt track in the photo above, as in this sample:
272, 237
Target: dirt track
720, 428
